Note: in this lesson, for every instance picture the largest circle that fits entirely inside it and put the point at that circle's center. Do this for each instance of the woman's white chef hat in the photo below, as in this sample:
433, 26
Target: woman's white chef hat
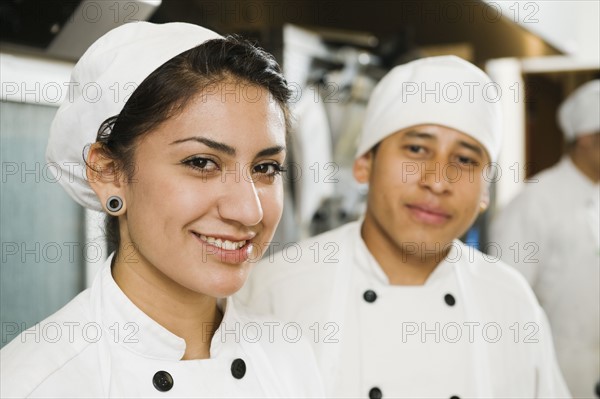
101, 82
443, 90
579, 114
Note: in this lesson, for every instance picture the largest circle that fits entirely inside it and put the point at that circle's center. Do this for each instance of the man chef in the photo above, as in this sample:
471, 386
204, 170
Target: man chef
394, 304
555, 224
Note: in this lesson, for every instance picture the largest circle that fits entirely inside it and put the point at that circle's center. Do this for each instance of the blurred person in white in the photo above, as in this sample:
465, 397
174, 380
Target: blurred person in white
556, 219
395, 304
187, 169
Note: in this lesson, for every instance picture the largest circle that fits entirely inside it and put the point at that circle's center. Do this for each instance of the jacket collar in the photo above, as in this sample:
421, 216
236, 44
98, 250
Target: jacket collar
124, 324
369, 264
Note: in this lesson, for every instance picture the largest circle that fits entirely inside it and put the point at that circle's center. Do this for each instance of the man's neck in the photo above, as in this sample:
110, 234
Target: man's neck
404, 265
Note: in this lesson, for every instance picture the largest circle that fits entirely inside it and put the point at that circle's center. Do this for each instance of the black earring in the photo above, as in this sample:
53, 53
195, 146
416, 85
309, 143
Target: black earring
114, 203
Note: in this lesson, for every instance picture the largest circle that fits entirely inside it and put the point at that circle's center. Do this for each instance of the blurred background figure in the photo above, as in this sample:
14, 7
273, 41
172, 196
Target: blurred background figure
556, 218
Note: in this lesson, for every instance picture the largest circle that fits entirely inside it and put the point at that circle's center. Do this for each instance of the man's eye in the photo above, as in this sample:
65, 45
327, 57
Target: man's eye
467, 161
416, 149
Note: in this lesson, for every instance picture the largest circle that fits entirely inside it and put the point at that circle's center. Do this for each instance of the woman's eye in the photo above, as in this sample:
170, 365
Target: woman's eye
269, 169
202, 164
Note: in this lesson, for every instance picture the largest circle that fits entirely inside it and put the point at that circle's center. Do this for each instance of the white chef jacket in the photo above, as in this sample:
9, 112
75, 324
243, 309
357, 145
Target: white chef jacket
101, 345
474, 329
555, 225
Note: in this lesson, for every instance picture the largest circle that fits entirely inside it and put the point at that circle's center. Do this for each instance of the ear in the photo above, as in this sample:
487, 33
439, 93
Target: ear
104, 177
362, 167
484, 203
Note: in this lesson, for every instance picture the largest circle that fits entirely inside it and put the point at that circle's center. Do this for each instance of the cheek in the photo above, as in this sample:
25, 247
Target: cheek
271, 200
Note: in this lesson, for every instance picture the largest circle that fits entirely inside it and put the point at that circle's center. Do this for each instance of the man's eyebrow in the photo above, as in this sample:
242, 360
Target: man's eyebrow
420, 135
209, 143
471, 147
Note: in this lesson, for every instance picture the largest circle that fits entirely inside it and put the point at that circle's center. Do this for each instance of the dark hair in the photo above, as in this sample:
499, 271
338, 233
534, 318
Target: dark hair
167, 90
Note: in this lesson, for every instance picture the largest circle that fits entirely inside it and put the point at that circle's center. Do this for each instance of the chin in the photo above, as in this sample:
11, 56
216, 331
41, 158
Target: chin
222, 285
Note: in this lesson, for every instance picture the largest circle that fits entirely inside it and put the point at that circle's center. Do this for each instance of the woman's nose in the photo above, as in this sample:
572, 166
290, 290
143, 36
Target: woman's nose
241, 202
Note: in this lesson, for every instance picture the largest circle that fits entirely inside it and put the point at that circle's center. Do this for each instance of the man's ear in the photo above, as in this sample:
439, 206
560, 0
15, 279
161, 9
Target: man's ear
362, 167
104, 177
484, 203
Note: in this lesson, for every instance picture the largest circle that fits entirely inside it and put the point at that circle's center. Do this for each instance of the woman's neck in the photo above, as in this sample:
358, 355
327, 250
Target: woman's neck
190, 315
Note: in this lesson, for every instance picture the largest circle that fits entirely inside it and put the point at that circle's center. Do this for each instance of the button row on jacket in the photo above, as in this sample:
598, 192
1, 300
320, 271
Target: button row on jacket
370, 296
163, 381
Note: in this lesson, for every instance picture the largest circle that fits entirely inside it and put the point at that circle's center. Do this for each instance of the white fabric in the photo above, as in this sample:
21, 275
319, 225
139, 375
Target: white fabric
107, 347
550, 233
444, 90
580, 113
311, 143
101, 82
321, 283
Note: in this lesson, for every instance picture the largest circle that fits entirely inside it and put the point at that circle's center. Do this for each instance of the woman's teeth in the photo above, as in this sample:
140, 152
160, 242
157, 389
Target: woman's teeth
223, 244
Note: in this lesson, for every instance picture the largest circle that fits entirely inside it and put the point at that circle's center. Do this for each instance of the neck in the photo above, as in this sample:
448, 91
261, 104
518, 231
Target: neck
587, 168
409, 264
187, 314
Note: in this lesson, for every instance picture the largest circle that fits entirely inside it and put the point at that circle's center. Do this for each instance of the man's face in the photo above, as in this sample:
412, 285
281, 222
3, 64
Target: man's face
426, 188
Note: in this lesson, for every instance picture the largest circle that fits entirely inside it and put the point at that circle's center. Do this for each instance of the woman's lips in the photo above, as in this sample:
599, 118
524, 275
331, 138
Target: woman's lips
428, 214
221, 249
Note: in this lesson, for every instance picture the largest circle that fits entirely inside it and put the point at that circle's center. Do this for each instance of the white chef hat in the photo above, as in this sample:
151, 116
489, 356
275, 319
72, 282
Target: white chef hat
102, 80
444, 90
580, 113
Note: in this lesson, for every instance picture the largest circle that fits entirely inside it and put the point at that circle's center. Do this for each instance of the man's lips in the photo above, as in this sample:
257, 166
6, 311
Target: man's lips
428, 214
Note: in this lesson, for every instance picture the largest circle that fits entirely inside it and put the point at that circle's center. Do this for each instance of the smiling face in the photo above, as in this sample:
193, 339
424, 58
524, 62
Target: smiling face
426, 188
206, 194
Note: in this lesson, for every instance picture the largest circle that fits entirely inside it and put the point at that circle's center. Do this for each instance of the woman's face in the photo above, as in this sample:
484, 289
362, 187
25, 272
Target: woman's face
206, 193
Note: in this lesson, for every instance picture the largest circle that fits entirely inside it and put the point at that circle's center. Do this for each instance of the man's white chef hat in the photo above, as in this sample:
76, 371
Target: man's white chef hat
445, 90
101, 82
579, 114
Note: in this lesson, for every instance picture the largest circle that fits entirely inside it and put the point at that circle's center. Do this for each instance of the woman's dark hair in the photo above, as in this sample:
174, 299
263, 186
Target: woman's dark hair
167, 90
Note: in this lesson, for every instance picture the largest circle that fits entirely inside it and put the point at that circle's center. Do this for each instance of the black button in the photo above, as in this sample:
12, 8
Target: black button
238, 368
370, 296
598, 389
162, 381
375, 393
450, 301
454, 397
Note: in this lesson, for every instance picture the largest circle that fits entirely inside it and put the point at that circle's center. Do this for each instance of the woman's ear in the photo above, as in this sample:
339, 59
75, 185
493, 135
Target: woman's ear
104, 177
362, 167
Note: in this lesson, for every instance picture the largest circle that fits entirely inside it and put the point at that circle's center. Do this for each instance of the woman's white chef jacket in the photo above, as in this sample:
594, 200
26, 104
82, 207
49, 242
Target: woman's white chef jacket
101, 345
474, 329
555, 224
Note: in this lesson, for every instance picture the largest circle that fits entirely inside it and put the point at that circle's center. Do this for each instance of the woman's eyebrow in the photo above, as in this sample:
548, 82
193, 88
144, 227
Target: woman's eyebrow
209, 143
270, 151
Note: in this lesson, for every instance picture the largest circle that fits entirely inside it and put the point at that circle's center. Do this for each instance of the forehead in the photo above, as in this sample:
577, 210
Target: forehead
238, 114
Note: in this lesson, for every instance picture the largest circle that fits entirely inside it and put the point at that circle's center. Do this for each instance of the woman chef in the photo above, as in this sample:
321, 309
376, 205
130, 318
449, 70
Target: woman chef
398, 306
187, 169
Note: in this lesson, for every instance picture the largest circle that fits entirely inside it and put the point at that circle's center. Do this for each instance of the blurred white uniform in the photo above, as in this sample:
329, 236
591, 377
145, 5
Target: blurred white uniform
554, 225
474, 329
101, 345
